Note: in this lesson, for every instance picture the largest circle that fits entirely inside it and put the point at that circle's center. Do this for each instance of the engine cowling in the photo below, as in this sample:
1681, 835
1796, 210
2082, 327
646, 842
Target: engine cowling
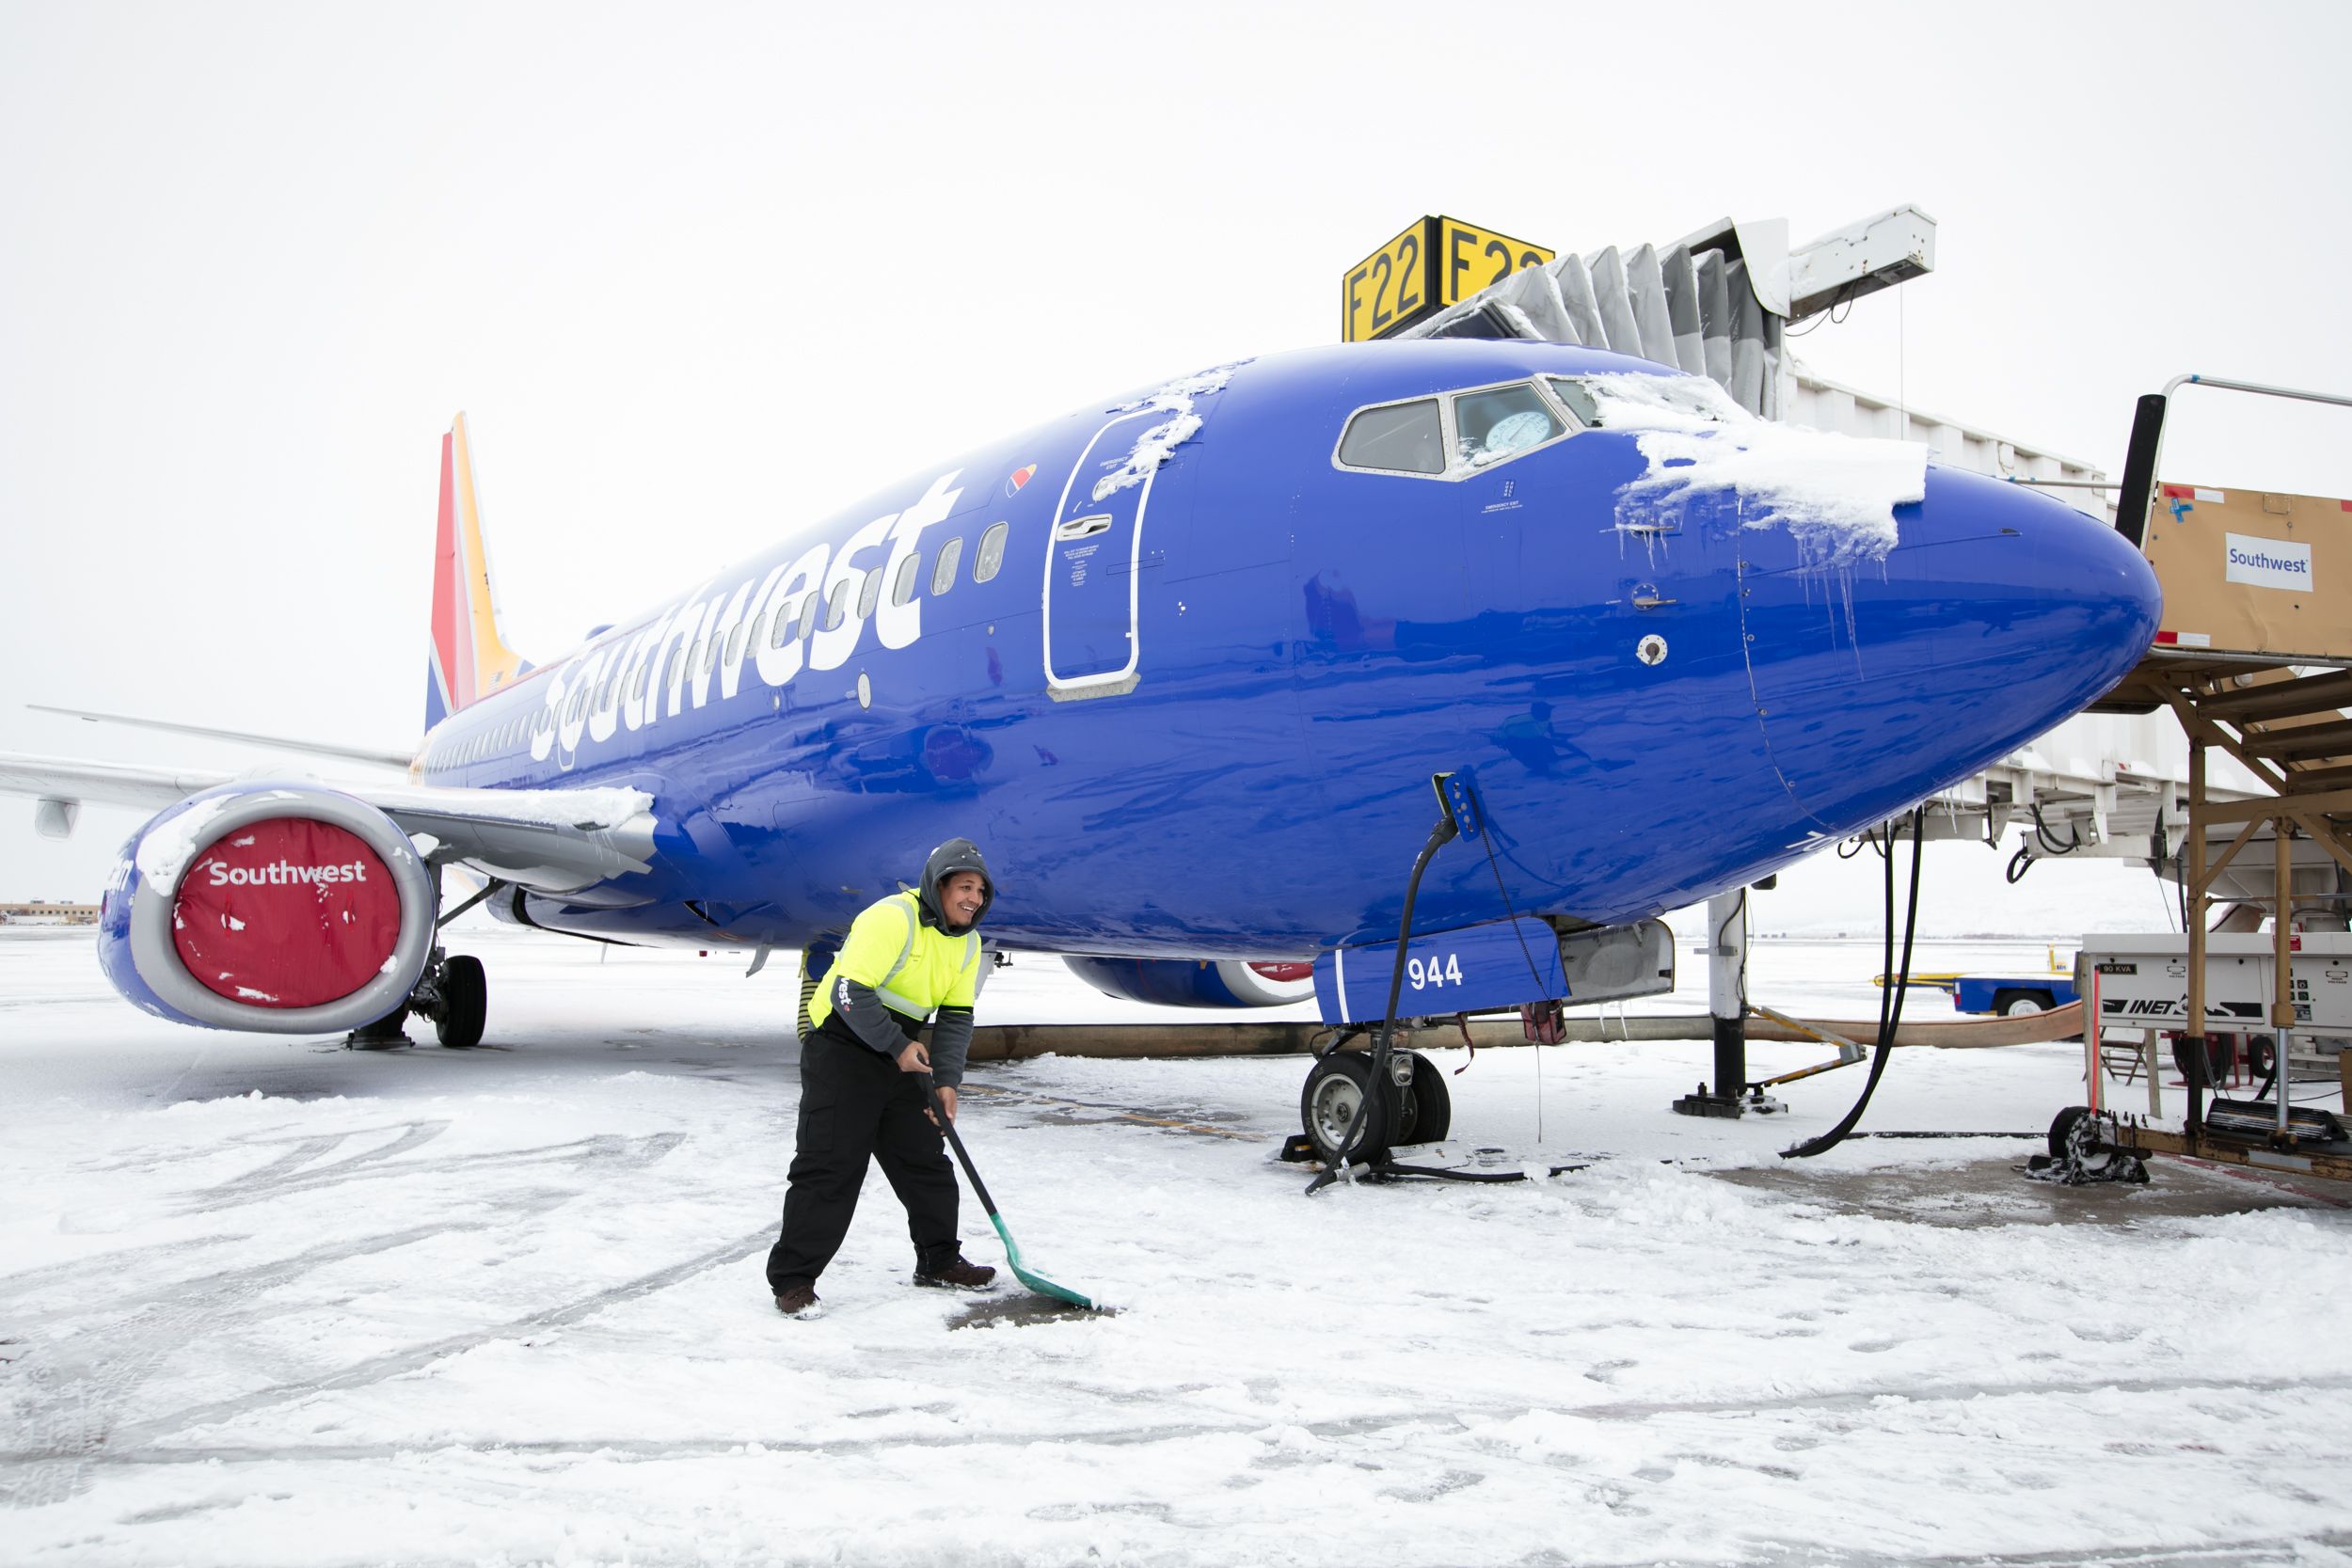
1197, 982
286, 909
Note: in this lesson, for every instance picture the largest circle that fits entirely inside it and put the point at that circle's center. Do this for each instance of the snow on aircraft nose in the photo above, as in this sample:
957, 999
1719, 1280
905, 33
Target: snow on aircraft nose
1997, 613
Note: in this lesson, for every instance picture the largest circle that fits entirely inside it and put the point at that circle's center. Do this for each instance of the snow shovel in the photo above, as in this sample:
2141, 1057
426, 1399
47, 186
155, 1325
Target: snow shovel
1037, 1282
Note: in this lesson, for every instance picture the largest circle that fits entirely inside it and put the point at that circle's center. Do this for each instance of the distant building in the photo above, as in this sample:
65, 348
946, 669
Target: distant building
40, 912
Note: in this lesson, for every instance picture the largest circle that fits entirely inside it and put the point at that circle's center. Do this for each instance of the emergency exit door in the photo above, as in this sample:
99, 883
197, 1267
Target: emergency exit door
1093, 557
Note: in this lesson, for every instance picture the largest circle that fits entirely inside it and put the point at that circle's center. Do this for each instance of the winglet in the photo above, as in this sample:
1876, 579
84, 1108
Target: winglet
469, 658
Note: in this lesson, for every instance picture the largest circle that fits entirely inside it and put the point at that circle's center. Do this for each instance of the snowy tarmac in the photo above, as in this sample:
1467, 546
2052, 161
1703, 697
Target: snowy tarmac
263, 1301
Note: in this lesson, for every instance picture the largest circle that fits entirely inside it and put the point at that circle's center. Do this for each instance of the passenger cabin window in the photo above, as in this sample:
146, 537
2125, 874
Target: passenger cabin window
783, 633
1400, 438
870, 594
839, 610
808, 614
902, 586
944, 570
991, 555
1491, 425
735, 643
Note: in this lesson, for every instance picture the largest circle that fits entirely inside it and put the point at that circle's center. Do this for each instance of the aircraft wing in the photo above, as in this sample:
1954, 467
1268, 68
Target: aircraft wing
279, 742
547, 840
109, 783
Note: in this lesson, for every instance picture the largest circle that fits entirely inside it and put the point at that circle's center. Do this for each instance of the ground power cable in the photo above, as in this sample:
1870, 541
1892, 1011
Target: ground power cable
1890, 999
1487, 839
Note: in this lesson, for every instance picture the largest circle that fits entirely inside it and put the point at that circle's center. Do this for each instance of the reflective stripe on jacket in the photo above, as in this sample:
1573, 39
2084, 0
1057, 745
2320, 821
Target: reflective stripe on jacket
914, 969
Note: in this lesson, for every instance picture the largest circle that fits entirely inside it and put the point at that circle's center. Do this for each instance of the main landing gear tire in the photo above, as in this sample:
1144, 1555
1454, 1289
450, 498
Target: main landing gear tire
1428, 1110
1335, 1087
464, 1003
2012, 1003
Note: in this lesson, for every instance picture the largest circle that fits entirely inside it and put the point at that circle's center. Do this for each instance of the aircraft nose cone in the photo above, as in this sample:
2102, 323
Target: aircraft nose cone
1999, 613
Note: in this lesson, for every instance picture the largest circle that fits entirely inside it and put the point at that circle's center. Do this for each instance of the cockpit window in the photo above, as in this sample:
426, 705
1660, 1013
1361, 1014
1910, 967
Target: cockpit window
1403, 437
1639, 401
1493, 424
1578, 397
1485, 425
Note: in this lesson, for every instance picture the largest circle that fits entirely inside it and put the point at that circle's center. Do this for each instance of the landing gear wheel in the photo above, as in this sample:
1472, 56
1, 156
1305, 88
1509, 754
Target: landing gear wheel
464, 1003
1327, 1106
2014, 1003
1428, 1109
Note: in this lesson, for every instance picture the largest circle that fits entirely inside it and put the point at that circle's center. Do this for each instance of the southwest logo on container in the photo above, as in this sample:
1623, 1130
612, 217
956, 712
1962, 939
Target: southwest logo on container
2268, 562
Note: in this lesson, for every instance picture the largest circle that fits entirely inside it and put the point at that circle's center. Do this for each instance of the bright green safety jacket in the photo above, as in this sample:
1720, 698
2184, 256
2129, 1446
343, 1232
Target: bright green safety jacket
914, 971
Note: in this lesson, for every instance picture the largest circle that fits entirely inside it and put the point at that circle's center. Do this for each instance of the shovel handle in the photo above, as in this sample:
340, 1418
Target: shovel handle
947, 1125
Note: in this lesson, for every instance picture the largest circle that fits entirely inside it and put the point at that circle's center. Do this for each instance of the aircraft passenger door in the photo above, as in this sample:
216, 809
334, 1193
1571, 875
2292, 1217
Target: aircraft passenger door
1094, 558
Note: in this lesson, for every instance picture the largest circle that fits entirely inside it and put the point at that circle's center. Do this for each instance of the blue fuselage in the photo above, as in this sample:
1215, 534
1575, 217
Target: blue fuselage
1196, 713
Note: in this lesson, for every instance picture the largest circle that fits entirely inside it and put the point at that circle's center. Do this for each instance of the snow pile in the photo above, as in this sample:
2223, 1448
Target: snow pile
166, 852
1836, 494
1153, 447
587, 810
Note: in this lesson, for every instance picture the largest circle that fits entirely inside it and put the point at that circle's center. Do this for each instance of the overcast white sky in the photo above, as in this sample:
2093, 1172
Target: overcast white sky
700, 272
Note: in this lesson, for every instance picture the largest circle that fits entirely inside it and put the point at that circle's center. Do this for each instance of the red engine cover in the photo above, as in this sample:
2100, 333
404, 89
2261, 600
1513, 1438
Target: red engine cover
286, 914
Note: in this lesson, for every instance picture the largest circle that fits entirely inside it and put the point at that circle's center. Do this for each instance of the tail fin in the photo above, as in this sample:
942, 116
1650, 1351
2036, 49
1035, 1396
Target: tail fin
469, 658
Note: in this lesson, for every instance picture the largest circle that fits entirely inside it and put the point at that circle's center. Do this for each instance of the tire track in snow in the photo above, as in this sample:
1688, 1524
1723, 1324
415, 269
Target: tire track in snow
72, 1389
395, 1363
71, 1393
1450, 1423
598, 1149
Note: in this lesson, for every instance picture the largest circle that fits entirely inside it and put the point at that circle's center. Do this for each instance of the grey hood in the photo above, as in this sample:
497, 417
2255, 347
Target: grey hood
957, 854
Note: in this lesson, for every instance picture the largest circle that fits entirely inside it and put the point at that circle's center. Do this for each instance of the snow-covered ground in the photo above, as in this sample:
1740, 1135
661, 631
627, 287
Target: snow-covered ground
269, 1302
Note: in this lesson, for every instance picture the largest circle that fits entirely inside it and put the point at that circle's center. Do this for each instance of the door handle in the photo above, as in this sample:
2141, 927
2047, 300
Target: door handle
1082, 527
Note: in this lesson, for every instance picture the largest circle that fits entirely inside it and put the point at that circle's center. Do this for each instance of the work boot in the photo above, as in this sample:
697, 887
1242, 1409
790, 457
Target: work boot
798, 1300
955, 1273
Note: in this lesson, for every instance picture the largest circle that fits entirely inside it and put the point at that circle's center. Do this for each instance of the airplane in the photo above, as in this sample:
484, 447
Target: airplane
1185, 663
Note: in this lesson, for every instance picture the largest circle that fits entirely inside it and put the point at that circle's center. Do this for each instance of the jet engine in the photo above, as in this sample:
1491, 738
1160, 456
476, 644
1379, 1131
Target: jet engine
1197, 982
287, 909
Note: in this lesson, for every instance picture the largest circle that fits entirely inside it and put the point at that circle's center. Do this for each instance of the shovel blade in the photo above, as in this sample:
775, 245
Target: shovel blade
1038, 1282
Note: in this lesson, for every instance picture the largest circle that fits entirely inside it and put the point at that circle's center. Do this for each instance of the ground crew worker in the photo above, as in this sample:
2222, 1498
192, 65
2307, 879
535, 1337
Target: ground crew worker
906, 956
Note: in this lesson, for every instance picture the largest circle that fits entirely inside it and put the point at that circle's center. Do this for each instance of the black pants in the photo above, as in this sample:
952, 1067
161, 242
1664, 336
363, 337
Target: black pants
856, 1103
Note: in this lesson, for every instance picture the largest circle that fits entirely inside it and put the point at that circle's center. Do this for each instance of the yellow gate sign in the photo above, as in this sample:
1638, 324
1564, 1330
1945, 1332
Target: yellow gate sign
1433, 263
1470, 259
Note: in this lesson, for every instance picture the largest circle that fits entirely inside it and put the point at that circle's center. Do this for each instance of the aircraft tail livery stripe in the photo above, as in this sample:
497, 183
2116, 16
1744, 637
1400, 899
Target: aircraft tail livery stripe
469, 658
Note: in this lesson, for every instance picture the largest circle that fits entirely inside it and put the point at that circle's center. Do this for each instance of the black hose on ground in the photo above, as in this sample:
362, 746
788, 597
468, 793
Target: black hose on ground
1890, 1000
